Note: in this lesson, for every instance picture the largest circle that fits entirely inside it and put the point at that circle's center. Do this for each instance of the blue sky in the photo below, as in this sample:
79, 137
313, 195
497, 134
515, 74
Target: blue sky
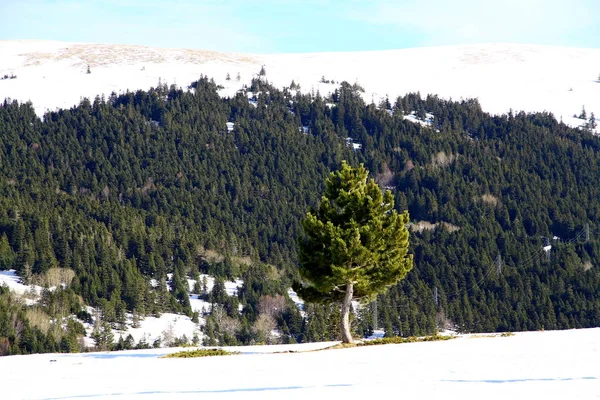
269, 26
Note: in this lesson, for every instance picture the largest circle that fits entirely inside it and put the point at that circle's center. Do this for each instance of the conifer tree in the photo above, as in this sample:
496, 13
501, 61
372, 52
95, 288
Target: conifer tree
356, 244
102, 335
7, 255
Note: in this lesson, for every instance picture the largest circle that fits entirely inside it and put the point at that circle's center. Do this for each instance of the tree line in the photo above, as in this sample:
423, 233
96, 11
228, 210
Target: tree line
129, 188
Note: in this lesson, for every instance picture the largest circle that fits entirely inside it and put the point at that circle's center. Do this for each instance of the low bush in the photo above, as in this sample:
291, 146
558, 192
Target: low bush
200, 353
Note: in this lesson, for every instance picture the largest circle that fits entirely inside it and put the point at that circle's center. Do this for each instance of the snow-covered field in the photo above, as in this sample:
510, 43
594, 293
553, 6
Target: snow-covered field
548, 365
530, 365
502, 76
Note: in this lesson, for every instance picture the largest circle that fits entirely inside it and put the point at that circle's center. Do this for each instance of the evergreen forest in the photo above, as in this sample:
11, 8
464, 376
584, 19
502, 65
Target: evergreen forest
127, 197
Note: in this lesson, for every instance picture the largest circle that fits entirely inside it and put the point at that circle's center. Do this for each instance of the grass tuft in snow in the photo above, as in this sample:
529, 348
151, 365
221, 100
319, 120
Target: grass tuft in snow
398, 340
201, 353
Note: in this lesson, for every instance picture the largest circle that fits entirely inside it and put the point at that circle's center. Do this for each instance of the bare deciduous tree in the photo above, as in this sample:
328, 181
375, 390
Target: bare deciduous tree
263, 329
271, 305
168, 335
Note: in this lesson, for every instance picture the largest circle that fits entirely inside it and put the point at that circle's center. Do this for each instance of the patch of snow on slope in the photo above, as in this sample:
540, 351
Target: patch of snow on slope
296, 299
230, 287
14, 284
350, 143
377, 334
12, 280
167, 326
199, 305
412, 117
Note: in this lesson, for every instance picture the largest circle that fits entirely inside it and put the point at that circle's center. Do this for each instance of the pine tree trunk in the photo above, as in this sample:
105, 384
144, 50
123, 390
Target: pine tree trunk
346, 335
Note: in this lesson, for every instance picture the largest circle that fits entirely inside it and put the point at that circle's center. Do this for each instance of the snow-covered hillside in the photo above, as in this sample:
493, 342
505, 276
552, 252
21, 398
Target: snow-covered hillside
166, 329
530, 365
502, 76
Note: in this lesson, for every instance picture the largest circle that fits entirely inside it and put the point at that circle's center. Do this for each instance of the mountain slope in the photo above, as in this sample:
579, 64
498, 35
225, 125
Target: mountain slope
135, 193
502, 76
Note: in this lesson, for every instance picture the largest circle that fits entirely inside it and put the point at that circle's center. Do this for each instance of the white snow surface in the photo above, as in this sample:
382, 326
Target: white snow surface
502, 76
532, 365
231, 287
14, 284
13, 281
296, 299
413, 118
167, 326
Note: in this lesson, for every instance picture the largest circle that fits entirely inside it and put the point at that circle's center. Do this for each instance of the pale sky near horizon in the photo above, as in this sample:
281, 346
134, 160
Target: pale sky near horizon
286, 26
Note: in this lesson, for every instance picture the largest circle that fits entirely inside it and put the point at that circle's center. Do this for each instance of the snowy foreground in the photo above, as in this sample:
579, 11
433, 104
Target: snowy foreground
502, 76
532, 365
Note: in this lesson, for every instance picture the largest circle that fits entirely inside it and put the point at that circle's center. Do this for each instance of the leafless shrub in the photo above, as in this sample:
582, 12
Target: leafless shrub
168, 335
386, 177
148, 187
263, 329
425, 225
247, 261
442, 159
227, 325
422, 226
271, 305
409, 166
442, 322
450, 227
4, 346
39, 319
212, 256
490, 199
18, 326
55, 277
230, 326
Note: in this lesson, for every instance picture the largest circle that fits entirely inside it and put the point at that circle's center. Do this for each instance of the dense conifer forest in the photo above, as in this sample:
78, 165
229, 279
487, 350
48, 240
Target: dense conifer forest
153, 186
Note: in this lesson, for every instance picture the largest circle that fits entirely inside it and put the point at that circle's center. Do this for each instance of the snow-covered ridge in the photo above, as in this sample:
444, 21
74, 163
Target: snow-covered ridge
502, 76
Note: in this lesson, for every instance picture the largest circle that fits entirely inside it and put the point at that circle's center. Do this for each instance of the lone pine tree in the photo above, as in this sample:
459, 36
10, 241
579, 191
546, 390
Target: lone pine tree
355, 244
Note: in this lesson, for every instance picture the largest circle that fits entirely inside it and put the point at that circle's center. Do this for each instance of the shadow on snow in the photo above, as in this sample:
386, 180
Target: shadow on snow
238, 390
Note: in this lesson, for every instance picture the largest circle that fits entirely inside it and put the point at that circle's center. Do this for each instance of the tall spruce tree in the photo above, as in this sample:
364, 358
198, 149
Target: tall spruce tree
355, 244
